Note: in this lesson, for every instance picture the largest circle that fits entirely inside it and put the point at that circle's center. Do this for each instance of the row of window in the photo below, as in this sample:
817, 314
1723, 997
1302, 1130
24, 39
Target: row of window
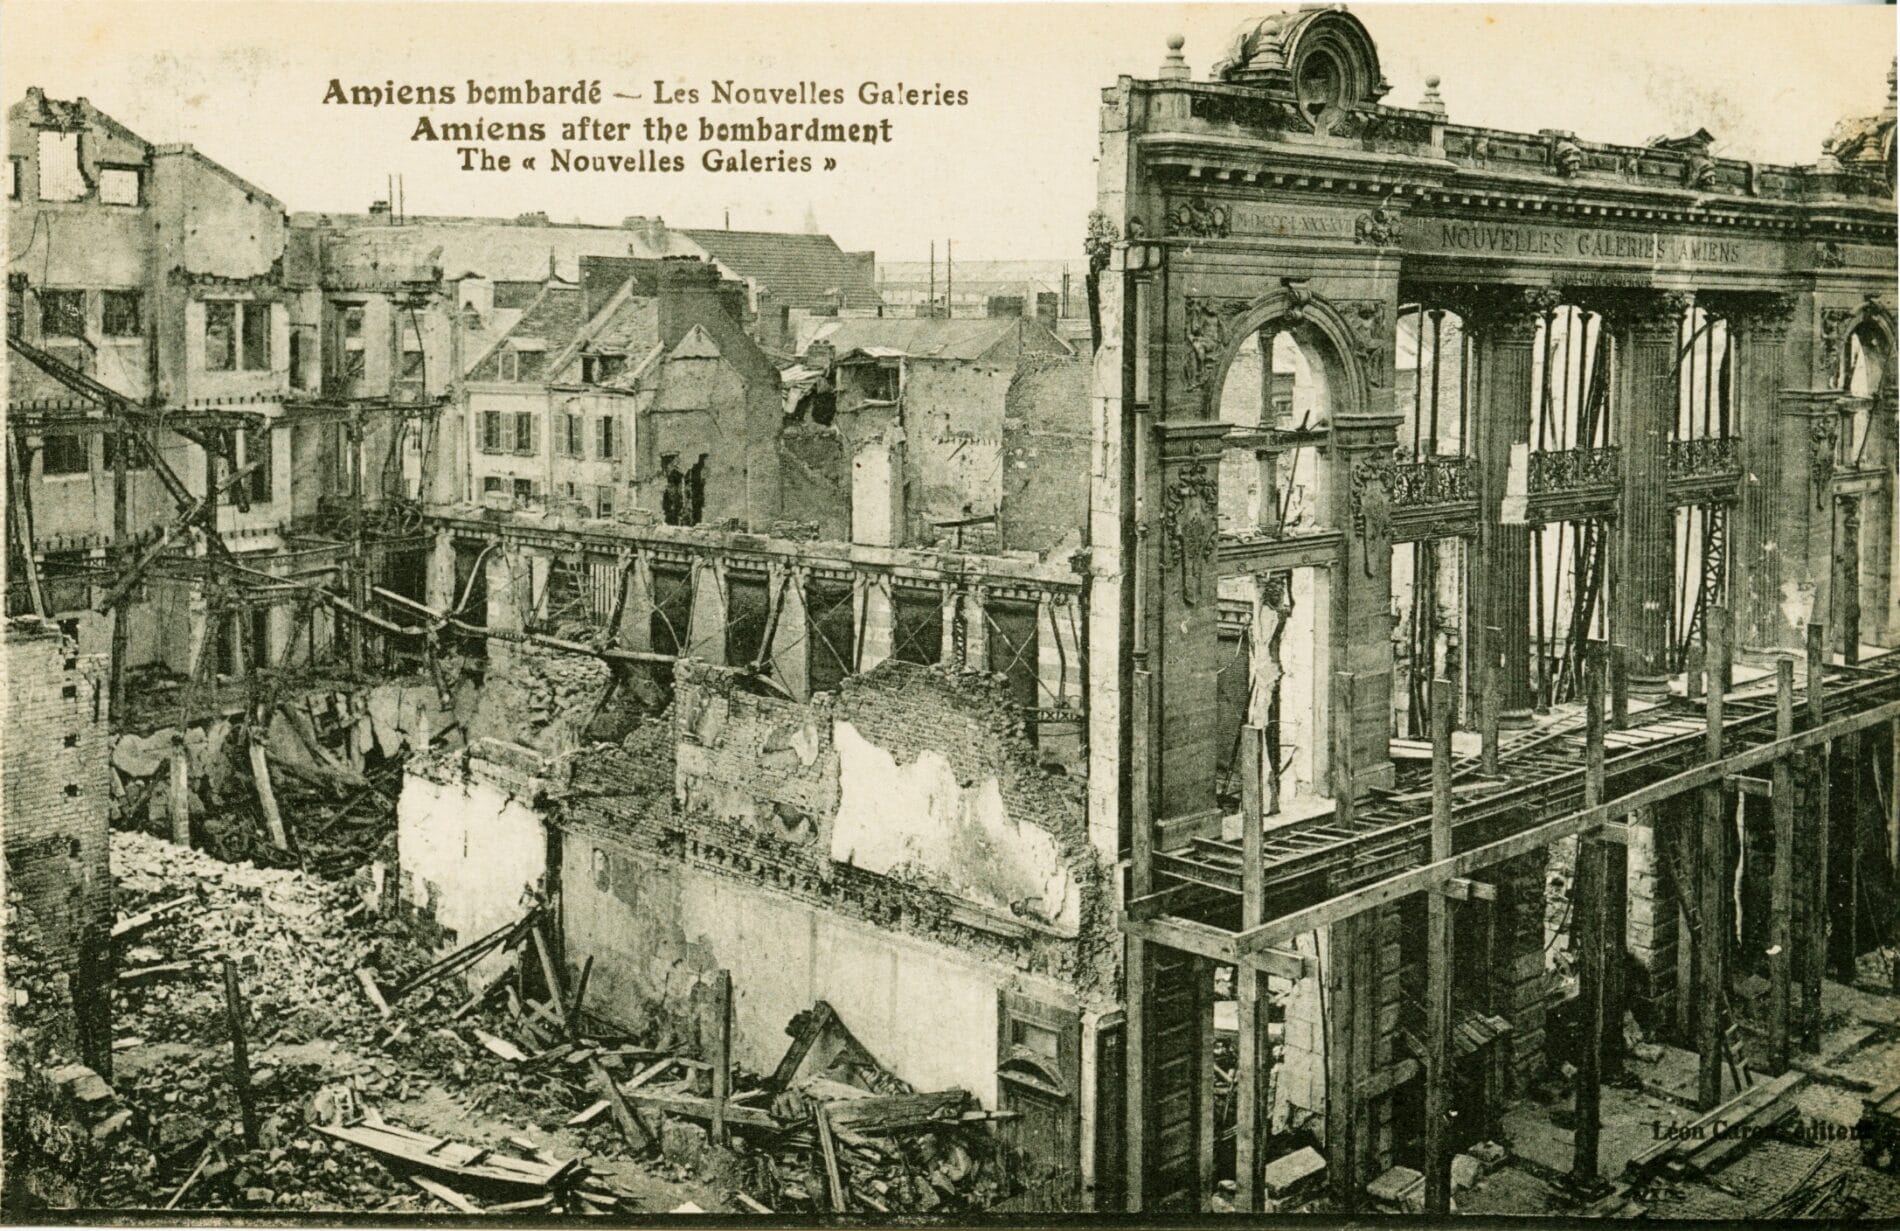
62, 179
599, 499
63, 314
69, 453
519, 432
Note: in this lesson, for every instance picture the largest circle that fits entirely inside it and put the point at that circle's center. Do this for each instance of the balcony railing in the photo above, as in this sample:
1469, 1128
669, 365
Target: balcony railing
1561, 472
1712, 457
1435, 480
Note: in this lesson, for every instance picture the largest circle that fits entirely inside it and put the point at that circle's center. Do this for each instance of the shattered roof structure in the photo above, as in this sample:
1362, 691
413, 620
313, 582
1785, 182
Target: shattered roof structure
800, 271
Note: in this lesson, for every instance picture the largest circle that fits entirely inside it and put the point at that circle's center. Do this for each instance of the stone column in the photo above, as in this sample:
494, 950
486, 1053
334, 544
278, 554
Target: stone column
1644, 327
707, 639
1758, 332
1503, 323
1808, 436
874, 619
1362, 459
1185, 649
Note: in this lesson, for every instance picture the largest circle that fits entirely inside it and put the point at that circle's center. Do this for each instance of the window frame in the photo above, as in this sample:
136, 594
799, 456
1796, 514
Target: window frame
120, 297
84, 445
51, 295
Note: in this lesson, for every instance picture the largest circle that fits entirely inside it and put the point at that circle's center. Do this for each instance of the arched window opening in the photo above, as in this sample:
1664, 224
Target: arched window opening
1702, 443
1571, 365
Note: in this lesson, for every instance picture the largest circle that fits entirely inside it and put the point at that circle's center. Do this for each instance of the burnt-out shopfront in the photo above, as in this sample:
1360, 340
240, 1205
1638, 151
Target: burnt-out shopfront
1476, 486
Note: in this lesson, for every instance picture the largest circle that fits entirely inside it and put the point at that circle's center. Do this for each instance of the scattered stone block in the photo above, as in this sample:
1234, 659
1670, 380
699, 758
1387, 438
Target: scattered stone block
1287, 1177
112, 1125
1465, 1171
682, 1142
1401, 1188
1648, 1053
1490, 1155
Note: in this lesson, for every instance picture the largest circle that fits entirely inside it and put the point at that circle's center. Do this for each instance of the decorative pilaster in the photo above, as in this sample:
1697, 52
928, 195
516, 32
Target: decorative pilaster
1503, 323
1808, 436
1361, 470
1758, 332
1644, 327
1182, 585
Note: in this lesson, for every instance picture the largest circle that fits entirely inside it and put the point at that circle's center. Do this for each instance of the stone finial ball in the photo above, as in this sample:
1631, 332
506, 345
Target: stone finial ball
1431, 83
1176, 42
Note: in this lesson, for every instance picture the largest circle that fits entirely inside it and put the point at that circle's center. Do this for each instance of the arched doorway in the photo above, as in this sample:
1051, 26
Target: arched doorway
1281, 386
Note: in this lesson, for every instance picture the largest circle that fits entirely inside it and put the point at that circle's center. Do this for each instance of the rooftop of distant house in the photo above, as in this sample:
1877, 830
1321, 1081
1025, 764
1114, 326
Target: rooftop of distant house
966, 340
798, 270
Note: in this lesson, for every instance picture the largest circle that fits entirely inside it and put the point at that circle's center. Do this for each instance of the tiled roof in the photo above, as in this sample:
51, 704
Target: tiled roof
800, 271
923, 337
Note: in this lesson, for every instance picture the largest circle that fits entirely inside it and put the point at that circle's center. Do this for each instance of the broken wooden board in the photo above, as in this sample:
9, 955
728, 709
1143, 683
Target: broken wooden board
145, 918
451, 1157
702, 1109
887, 1112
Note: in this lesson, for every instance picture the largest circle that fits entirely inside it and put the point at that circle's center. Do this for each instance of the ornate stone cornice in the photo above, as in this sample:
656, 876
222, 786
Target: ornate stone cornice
1637, 311
1761, 313
1505, 315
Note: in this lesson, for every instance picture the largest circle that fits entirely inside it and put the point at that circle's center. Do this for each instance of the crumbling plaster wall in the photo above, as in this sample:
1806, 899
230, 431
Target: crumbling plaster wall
56, 784
471, 843
656, 928
1044, 500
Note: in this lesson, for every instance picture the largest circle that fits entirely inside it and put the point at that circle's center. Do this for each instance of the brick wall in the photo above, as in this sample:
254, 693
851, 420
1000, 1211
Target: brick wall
1520, 972
56, 784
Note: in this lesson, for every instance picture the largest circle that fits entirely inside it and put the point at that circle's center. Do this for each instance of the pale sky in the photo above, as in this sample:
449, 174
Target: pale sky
1012, 174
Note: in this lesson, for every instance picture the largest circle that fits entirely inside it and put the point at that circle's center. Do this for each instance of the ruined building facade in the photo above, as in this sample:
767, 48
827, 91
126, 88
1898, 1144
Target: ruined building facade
1416, 417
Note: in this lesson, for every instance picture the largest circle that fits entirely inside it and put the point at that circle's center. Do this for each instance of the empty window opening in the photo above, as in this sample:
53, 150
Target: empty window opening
60, 176
119, 185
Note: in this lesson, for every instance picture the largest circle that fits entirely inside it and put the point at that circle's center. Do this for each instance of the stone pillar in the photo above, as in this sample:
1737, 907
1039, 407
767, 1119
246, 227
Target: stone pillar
1184, 647
1644, 327
1362, 458
636, 613
791, 654
1809, 434
874, 619
976, 633
439, 586
1504, 409
706, 636
1758, 332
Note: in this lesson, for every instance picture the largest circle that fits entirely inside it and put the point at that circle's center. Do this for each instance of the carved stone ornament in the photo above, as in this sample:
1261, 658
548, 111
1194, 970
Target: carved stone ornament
1372, 503
1566, 156
1823, 432
1370, 338
1829, 255
1208, 321
1378, 226
1188, 516
1834, 323
1198, 217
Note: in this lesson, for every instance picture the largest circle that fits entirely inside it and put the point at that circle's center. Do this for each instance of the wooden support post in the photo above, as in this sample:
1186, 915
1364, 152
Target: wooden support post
1589, 910
1712, 889
1781, 889
1249, 1054
1489, 700
721, 1051
1860, 805
1337, 1004
1820, 812
180, 797
266, 797
1344, 786
1137, 975
121, 550
579, 997
240, 1053
1619, 686
1202, 972
1439, 958
1694, 672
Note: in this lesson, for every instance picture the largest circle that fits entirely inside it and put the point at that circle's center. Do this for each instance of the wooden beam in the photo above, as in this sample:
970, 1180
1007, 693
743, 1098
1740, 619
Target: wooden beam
1781, 885
1488, 700
1251, 1058
1202, 972
1464, 889
240, 1053
1344, 786
721, 1009
1589, 911
1438, 958
1818, 805
1138, 972
1742, 784
1712, 886
1417, 880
